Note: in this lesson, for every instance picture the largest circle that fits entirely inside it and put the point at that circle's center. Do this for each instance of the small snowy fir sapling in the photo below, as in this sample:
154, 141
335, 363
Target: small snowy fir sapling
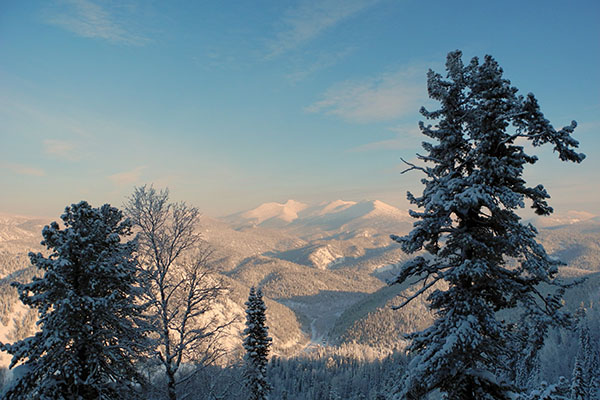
488, 260
86, 299
256, 343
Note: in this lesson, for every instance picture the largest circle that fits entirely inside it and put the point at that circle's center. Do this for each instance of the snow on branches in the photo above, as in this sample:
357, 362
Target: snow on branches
86, 299
256, 343
467, 223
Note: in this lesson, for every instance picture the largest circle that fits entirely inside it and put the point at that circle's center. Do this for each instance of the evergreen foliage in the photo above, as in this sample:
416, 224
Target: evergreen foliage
256, 343
584, 379
556, 391
476, 244
348, 372
582, 376
86, 301
594, 368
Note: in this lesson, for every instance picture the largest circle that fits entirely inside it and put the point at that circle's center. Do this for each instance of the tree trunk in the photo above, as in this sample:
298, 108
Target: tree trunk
171, 385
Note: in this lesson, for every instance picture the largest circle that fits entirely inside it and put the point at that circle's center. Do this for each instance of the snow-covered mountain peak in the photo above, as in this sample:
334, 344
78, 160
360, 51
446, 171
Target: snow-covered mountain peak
352, 218
327, 207
381, 208
569, 218
363, 209
286, 212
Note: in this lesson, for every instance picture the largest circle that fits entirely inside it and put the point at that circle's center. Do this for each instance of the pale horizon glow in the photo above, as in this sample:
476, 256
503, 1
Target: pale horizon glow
232, 105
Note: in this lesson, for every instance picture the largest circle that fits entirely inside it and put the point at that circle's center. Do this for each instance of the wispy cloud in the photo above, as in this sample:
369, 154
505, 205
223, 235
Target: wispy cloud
22, 169
322, 61
311, 18
61, 149
127, 177
89, 19
408, 137
383, 98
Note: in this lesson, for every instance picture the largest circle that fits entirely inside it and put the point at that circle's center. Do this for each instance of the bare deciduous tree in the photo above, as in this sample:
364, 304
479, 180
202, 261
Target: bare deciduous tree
179, 283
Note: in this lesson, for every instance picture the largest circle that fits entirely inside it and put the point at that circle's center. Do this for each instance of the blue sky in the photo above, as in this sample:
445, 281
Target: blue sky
231, 104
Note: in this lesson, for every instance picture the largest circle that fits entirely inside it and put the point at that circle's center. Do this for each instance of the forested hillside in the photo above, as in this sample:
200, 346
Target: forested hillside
335, 334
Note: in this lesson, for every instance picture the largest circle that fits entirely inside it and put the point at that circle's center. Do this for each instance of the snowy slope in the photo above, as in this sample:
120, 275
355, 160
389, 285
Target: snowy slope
328, 257
568, 218
269, 214
232, 246
21, 233
339, 216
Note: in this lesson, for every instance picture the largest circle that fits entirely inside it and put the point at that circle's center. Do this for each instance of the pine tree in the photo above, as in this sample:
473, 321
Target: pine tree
582, 373
489, 261
86, 300
594, 363
257, 344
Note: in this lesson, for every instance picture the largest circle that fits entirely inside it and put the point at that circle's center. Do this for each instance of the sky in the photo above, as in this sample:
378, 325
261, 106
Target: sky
231, 104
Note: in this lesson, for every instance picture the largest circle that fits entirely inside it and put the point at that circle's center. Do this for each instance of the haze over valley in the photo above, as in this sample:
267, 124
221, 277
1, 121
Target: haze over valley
323, 270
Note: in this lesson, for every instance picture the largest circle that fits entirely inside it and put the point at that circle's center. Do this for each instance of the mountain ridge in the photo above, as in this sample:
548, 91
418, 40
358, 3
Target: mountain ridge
329, 216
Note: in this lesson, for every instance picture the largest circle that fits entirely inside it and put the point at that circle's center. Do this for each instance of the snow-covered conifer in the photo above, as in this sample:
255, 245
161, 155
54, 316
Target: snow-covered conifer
489, 261
86, 299
256, 343
582, 375
557, 391
594, 364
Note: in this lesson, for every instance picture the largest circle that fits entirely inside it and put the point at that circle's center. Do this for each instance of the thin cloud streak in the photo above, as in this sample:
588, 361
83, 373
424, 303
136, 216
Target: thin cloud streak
407, 138
312, 18
21, 169
323, 61
384, 98
88, 19
61, 149
127, 177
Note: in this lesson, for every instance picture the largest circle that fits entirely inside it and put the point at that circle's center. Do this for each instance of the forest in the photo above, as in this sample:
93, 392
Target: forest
126, 299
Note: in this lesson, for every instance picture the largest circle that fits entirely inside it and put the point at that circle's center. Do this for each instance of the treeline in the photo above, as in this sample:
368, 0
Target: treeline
328, 373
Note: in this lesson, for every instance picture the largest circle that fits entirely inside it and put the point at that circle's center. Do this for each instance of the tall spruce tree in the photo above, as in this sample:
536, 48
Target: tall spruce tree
257, 343
582, 375
489, 261
594, 363
86, 300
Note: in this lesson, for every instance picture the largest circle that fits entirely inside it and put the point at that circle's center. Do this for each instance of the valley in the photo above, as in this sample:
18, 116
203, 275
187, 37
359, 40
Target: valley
322, 268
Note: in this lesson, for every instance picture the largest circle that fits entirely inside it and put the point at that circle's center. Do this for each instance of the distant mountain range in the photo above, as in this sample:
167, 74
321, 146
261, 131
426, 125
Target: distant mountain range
19, 232
568, 218
339, 217
322, 269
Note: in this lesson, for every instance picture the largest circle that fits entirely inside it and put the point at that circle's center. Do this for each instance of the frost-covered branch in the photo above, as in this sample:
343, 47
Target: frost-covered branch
180, 284
468, 224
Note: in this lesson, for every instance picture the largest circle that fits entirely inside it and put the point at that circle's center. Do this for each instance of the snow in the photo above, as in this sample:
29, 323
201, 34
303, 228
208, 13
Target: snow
325, 256
569, 218
21, 228
6, 336
327, 208
287, 211
351, 213
328, 216
468, 223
